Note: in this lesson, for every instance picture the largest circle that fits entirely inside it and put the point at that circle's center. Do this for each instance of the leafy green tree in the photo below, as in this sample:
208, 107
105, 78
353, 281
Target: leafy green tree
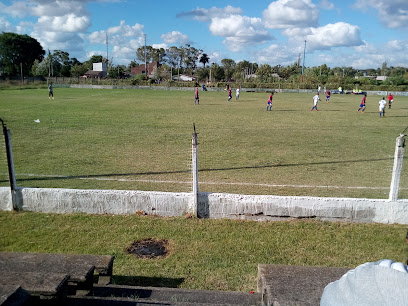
62, 63
173, 57
39, 68
79, 69
229, 67
152, 54
202, 74
190, 56
217, 72
94, 59
264, 73
18, 51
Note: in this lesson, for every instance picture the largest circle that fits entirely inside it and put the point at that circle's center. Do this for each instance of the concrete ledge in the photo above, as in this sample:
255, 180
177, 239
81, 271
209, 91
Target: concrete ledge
210, 205
295, 285
13, 295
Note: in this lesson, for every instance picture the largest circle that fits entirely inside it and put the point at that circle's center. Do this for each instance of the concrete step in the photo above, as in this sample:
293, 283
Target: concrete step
114, 301
172, 296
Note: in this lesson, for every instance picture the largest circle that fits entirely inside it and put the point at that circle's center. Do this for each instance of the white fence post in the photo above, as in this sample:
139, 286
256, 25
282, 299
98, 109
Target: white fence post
195, 172
396, 171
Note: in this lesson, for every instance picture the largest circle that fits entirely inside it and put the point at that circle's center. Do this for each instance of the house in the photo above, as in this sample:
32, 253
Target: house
93, 74
99, 70
141, 69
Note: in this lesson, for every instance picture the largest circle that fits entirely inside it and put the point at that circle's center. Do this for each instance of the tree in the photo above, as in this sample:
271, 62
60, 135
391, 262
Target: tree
18, 51
202, 74
94, 59
229, 66
217, 72
204, 59
79, 69
190, 56
173, 56
264, 73
62, 63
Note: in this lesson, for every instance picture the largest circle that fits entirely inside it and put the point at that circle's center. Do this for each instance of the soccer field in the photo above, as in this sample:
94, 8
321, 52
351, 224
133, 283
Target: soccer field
141, 140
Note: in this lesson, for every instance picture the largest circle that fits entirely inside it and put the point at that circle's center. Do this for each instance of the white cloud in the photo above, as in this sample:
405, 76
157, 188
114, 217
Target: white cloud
290, 13
175, 37
6, 26
392, 13
159, 46
59, 41
66, 23
240, 31
277, 55
59, 8
339, 34
17, 9
326, 5
202, 14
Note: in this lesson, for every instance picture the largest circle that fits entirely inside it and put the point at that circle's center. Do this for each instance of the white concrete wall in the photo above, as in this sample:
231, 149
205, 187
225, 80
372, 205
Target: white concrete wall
210, 205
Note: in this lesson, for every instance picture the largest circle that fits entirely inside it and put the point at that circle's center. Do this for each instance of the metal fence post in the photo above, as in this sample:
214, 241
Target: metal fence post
10, 164
195, 171
396, 171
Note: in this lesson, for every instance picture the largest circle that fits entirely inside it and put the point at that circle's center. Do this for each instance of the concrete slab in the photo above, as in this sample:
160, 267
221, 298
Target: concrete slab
295, 285
13, 295
177, 296
43, 285
103, 263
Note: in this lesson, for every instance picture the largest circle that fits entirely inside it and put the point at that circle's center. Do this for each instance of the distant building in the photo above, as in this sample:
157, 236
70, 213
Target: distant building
99, 70
374, 77
183, 77
141, 69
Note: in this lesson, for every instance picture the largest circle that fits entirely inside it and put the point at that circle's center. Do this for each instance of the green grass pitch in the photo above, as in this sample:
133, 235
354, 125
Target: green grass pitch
141, 140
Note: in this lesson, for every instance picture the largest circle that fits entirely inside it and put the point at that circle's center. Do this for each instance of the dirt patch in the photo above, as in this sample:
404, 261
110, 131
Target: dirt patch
149, 248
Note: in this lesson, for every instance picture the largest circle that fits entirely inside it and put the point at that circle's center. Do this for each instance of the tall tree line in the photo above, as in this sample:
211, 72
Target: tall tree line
23, 55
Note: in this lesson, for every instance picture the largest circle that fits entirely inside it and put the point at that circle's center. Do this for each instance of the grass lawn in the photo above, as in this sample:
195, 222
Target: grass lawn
141, 140
203, 253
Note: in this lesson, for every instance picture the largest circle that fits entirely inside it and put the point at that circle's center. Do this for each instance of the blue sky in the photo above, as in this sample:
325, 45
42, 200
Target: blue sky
358, 33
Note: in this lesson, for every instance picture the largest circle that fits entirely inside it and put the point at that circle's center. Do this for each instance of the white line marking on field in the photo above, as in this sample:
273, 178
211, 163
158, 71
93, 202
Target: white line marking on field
201, 183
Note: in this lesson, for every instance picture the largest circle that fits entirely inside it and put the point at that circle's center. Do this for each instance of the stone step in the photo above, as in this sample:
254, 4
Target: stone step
176, 295
114, 301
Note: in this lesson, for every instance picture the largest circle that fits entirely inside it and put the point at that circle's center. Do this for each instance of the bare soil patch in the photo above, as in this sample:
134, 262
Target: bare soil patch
149, 248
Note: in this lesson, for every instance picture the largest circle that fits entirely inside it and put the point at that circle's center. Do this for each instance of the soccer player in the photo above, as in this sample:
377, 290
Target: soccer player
196, 97
327, 96
269, 105
229, 95
50, 91
316, 99
362, 104
237, 94
390, 100
382, 105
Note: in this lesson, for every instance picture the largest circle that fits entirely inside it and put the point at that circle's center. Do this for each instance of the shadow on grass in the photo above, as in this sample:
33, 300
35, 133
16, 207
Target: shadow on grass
70, 177
143, 281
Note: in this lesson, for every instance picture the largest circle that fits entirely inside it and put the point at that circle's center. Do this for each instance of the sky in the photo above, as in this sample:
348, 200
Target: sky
354, 33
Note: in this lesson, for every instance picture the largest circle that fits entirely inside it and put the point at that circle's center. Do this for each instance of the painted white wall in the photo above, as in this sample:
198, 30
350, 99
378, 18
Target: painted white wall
210, 205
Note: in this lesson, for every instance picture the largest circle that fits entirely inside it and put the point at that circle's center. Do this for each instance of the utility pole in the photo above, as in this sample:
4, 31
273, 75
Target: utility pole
303, 64
145, 57
107, 49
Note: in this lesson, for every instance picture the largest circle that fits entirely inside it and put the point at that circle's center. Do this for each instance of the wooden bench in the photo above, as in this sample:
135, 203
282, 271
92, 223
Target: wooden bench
103, 263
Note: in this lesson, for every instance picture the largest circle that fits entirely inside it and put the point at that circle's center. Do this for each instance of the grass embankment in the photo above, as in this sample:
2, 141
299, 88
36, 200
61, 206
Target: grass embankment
203, 254
141, 140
